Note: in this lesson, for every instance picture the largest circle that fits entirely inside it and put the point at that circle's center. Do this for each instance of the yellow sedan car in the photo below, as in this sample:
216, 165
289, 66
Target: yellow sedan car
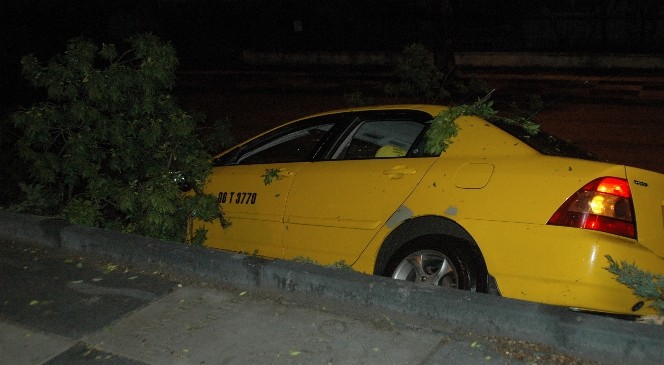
522, 215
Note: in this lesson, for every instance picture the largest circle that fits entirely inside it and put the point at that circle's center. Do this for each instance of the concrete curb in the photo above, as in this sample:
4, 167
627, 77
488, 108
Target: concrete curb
602, 339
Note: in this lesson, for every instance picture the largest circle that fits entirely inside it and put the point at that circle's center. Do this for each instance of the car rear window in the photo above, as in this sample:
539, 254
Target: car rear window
542, 141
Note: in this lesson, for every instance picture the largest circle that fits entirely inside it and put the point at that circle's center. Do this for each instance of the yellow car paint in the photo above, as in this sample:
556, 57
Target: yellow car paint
498, 191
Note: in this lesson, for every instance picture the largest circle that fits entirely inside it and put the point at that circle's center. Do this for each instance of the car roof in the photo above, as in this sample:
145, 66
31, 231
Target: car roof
543, 142
431, 109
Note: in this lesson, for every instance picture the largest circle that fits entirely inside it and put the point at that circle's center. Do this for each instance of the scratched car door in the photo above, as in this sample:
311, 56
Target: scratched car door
336, 206
252, 184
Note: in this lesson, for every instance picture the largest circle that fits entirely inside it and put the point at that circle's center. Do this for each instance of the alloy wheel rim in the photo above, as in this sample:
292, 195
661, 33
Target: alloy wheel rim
427, 267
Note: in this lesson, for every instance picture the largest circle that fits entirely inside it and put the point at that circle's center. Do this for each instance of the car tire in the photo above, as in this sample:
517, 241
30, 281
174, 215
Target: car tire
433, 264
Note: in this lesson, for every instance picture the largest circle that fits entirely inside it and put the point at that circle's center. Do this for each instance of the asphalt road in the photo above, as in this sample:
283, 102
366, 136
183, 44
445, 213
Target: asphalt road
64, 308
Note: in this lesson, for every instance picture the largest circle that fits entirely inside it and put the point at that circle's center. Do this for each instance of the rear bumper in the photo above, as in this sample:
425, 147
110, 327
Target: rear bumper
561, 266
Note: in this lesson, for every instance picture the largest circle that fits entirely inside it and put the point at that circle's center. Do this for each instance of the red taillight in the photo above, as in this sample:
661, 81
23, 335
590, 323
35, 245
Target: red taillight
604, 204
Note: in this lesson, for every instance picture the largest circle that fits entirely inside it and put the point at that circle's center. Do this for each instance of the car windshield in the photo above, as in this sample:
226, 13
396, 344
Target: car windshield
542, 141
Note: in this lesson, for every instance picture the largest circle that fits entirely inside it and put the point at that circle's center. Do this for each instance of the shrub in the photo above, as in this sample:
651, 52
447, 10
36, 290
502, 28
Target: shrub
420, 79
109, 146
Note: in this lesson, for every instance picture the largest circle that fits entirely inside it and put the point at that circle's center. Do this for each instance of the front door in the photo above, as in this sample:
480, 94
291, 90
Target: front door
336, 206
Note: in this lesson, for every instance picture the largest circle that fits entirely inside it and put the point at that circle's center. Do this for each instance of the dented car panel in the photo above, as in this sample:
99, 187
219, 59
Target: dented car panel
570, 271
496, 212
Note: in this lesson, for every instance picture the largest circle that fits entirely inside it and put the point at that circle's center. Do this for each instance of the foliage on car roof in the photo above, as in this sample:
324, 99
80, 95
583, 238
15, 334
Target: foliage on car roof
530, 133
444, 128
528, 126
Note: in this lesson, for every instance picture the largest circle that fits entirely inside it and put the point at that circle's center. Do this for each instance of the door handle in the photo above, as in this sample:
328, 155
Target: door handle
397, 172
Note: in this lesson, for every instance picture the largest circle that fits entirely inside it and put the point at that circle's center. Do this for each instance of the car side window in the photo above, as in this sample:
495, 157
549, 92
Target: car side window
380, 139
290, 145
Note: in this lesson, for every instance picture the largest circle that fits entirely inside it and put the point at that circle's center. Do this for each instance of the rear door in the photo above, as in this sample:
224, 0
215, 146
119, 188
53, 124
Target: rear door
648, 195
336, 206
252, 184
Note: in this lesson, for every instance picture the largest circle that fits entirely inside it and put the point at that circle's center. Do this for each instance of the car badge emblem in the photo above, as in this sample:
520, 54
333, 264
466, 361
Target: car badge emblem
641, 183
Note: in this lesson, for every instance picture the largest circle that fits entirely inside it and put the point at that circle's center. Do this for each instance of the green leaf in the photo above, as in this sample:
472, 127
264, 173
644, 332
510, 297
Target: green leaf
444, 127
270, 176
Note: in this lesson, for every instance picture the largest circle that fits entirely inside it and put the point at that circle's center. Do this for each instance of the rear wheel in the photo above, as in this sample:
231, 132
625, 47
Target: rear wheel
428, 267
443, 265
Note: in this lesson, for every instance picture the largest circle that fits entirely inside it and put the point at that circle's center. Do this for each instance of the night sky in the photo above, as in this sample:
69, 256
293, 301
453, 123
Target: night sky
211, 34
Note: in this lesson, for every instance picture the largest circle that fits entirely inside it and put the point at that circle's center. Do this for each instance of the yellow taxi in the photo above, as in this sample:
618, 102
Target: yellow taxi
522, 215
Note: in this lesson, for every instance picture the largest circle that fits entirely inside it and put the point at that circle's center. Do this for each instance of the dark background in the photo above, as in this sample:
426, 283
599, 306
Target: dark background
214, 33
210, 32
610, 115
218, 34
